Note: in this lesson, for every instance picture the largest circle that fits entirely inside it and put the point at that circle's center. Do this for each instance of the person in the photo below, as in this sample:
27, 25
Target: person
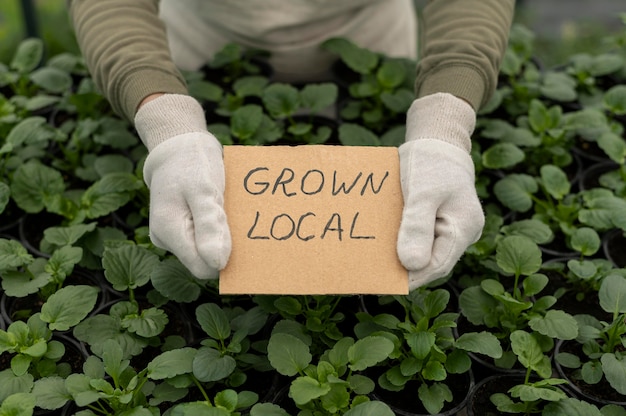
135, 51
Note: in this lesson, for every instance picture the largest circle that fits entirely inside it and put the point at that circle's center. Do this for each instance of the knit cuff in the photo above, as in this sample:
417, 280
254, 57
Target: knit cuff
167, 116
441, 116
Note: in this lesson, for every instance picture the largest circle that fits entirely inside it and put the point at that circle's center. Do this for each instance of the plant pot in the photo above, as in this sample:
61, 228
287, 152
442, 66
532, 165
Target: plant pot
599, 394
11, 218
31, 229
478, 403
563, 290
614, 247
590, 178
406, 402
589, 152
482, 366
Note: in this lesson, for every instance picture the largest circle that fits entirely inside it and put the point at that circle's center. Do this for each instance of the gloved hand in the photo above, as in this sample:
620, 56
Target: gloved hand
442, 215
184, 171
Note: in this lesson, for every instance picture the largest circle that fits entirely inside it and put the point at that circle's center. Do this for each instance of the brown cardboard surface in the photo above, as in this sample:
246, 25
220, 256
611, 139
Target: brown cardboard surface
297, 230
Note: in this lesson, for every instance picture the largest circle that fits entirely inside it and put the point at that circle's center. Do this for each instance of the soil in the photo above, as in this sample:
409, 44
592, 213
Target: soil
567, 302
479, 403
601, 393
406, 402
615, 248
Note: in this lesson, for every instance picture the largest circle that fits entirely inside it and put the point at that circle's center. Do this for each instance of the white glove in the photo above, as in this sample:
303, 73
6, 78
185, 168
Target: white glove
185, 173
442, 215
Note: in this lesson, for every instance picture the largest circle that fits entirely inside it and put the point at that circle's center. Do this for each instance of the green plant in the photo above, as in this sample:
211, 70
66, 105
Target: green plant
583, 277
317, 318
381, 90
134, 325
110, 385
248, 125
425, 349
504, 309
228, 353
602, 342
283, 102
331, 383
548, 197
24, 275
34, 354
480, 255
530, 396
234, 61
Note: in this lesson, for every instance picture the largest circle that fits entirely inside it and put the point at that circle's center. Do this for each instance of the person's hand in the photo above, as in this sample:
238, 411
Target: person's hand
184, 171
442, 215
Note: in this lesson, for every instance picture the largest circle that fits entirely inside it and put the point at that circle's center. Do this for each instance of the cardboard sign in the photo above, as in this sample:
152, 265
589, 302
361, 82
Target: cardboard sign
313, 219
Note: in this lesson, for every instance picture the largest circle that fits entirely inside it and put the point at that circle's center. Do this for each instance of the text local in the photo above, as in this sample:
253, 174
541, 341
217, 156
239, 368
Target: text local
284, 226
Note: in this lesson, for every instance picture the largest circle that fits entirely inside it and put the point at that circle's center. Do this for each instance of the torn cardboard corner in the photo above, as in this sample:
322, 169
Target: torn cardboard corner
313, 219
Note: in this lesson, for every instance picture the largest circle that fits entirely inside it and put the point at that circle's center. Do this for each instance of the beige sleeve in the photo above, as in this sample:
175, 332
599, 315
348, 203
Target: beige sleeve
462, 45
125, 48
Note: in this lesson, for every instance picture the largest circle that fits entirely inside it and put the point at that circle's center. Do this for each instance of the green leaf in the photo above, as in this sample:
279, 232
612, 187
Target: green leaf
515, 191
210, 365
267, 409
614, 146
316, 97
68, 306
128, 266
360, 60
614, 369
585, 240
361, 384
534, 284
281, 100
369, 351
305, 389
18, 404
150, 323
370, 408
434, 397
171, 363
555, 181
398, 102
420, 343
502, 156
558, 86
612, 294
28, 55
194, 409
355, 135
288, 354
51, 392
174, 281
52, 79
480, 342
67, 235
34, 185
226, 399
592, 372
113, 359
518, 255
476, 305
391, 73
213, 321
570, 406
527, 349
615, 99
555, 324
246, 120
338, 398
13, 254
5, 196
